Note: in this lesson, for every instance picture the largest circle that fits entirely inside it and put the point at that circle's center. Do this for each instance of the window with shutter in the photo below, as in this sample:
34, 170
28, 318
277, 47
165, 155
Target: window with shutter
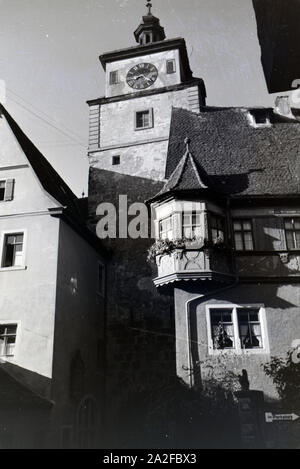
2, 190
6, 190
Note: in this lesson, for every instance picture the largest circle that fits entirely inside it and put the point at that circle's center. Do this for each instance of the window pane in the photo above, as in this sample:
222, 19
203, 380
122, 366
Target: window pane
216, 317
2, 190
146, 119
290, 240
214, 234
297, 224
187, 219
19, 238
247, 225
11, 329
170, 66
254, 317
288, 224
297, 236
238, 241
197, 232
188, 233
248, 241
11, 239
139, 120
237, 226
196, 219
9, 256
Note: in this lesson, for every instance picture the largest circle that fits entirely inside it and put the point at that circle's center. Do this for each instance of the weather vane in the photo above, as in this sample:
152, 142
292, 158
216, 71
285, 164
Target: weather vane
149, 6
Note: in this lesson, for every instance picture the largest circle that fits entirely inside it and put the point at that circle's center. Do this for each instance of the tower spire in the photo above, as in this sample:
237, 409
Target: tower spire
149, 6
149, 30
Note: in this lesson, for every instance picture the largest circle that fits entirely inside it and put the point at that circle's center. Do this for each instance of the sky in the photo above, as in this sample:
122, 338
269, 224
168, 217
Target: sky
49, 53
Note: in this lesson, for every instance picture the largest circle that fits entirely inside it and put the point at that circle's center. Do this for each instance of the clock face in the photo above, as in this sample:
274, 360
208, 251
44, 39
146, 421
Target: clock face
142, 76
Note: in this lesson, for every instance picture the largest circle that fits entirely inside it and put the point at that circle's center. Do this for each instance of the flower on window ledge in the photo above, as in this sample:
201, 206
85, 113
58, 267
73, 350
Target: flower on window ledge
166, 247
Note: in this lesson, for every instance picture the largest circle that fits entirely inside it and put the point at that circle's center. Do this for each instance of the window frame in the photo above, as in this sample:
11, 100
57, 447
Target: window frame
2, 181
191, 225
293, 231
6, 233
169, 217
242, 232
10, 322
116, 74
173, 61
9, 187
221, 218
116, 158
238, 349
151, 119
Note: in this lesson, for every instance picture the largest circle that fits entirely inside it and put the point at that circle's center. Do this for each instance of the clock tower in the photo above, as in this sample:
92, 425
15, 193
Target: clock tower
129, 127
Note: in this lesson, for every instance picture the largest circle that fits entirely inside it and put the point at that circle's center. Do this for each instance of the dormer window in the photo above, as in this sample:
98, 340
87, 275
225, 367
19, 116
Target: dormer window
114, 77
259, 118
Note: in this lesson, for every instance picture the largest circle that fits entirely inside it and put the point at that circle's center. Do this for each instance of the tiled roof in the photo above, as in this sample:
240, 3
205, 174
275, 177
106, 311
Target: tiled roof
52, 183
48, 177
239, 159
187, 175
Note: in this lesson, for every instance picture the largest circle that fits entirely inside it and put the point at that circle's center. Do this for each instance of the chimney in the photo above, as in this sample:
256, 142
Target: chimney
283, 107
2, 92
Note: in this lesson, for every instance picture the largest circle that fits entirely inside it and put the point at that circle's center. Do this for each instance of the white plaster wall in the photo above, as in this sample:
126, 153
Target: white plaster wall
147, 160
143, 153
158, 59
118, 119
28, 295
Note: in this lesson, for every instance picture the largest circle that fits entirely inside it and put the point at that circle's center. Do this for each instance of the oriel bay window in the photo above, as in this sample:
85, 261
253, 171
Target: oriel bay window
243, 235
292, 233
13, 250
236, 328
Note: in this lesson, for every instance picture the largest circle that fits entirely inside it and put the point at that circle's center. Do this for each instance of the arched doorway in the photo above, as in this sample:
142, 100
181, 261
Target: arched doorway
86, 424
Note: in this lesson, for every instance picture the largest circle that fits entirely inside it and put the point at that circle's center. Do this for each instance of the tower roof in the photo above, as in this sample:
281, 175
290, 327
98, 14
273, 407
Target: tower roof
150, 29
188, 175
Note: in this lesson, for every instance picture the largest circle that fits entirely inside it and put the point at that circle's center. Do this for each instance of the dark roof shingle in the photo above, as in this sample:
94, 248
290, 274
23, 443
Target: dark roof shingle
239, 160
